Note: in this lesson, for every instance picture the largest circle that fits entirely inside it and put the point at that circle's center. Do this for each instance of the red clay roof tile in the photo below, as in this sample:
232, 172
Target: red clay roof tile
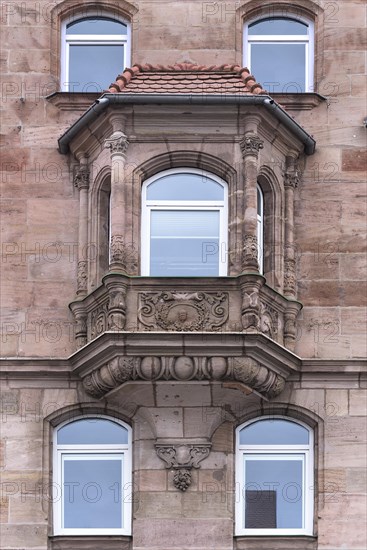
182, 78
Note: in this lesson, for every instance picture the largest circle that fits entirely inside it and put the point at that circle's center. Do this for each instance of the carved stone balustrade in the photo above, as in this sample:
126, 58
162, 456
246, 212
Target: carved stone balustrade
230, 331
231, 304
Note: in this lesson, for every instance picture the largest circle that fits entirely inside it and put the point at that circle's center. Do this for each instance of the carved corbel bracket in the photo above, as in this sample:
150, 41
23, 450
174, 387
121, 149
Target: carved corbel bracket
264, 381
182, 457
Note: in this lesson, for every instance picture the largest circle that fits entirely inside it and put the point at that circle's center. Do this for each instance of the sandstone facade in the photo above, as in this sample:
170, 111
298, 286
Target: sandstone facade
81, 333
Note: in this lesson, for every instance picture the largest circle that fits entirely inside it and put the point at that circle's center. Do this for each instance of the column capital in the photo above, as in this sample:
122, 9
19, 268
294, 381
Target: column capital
117, 143
250, 145
291, 179
81, 177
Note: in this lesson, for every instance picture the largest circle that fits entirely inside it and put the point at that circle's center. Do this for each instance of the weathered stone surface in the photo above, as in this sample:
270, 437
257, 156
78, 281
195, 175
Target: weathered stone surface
152, 480
173, 534
358, 402
41, 206
336, 402
13, 536
354, 160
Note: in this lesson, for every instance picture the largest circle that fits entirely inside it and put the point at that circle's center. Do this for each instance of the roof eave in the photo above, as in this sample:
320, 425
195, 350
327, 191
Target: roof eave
108, 99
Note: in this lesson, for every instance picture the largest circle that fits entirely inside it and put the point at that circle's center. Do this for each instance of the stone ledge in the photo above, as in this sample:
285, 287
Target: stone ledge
73, 101
298, 102
101, 542
275, 543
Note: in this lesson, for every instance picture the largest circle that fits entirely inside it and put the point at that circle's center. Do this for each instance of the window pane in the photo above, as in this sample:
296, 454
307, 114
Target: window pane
185, 187
92, 492
259, 202
279, 67
95, 25
274, 432
273, 493
184, 243
92, 431
93, 67
278, 26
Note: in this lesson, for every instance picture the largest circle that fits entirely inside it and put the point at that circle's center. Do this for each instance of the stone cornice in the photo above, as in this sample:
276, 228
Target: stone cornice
314, 370
61, 367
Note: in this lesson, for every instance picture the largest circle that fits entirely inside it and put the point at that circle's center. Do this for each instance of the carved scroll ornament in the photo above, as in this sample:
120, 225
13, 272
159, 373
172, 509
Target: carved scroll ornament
182, 458
183, 311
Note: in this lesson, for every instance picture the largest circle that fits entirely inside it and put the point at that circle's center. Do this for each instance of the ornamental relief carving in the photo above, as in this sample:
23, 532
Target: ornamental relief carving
81, 177
269, 321
183, 368
123, 254
183, 311
182, 458
251, 145
97, 320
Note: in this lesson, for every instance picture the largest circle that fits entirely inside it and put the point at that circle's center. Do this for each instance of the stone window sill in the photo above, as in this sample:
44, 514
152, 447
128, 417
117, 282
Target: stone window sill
298, 102
276, 543
103, 542
73, 101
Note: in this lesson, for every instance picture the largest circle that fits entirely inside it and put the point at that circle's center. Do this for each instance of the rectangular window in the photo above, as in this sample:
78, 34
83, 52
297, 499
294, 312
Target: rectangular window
273, 491
92, 491
184, 243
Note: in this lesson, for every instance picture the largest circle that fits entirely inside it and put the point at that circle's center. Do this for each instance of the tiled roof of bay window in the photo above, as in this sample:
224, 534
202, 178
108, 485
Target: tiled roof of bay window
186, 78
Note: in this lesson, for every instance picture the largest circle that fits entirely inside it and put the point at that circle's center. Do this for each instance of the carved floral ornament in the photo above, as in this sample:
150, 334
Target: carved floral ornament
182, 458
81, 177
117, 143
251, 145
123, 369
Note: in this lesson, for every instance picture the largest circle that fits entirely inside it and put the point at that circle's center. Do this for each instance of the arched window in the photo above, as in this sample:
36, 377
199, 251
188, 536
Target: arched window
260, 228
92, 477
184, 224
94, 50
274, 472
279, 52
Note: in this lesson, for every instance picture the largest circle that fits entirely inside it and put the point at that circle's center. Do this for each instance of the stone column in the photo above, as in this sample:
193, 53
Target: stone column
81, 181
118, 144
252, 281
291, 179
250, 147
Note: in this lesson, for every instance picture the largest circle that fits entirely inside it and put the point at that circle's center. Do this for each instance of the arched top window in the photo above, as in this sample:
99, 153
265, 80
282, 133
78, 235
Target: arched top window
184, 224
92, 477
274, 469
279, 51
95, 49
260, 229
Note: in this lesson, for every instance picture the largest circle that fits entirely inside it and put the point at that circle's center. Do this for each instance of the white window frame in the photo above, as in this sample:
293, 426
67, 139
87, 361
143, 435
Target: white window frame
276, 452
103, 452
215, 206
260, 230
92, 39
308, 40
